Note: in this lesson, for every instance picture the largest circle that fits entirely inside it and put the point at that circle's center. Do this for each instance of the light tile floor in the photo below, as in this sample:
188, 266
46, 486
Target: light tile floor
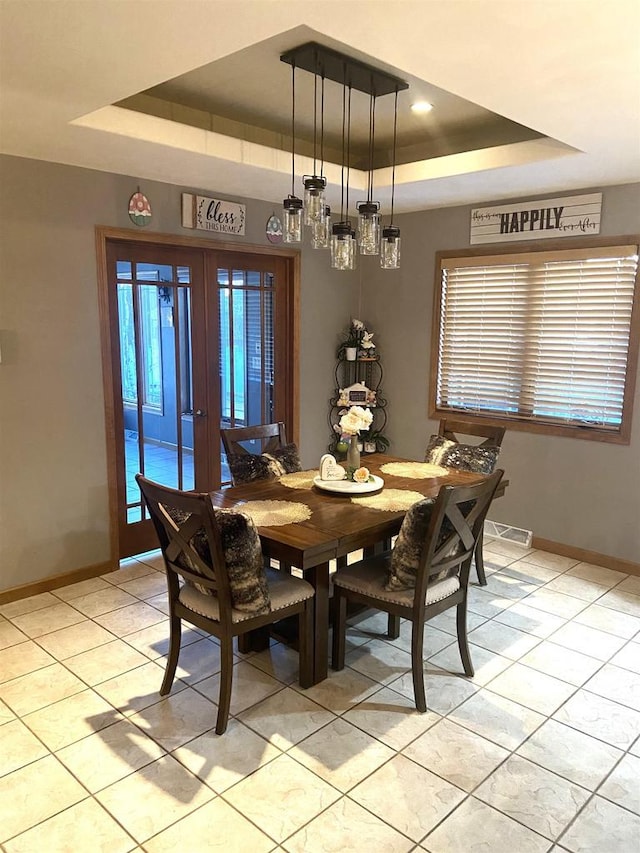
540, 751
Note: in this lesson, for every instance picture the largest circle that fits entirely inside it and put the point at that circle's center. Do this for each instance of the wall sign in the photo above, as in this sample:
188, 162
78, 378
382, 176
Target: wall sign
572, 216
212, 214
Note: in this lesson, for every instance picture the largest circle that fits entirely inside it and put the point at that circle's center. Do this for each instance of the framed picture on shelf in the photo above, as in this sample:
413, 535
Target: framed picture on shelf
357, 395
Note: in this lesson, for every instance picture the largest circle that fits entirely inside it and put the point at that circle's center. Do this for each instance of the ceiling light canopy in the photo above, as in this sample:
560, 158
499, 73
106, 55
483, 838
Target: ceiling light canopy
327, 64
421, 107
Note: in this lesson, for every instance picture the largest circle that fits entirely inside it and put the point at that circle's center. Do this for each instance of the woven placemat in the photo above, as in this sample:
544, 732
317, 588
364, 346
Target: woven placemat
299, 479
275, 513
413, 470
389, 500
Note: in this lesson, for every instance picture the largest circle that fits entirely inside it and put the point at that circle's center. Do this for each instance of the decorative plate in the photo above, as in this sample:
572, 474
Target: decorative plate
274, 229
139, 209
348, 487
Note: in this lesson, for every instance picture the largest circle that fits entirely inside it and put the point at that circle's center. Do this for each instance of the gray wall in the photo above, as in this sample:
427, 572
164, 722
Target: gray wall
573, 491
53, 478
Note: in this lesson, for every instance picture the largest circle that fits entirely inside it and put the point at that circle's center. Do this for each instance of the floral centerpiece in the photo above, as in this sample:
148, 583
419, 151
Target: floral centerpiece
356, 419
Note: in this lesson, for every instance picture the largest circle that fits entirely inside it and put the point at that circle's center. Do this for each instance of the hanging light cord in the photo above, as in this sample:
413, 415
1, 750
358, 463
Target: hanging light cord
293, 124
344, 113
372, 137
348, 145
322, 127
393, 170
315, 114
373, 141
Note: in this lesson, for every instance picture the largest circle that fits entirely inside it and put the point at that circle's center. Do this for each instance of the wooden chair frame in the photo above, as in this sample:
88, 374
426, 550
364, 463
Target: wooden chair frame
435, 559
455, 430
175, 542
493, 435
271, 436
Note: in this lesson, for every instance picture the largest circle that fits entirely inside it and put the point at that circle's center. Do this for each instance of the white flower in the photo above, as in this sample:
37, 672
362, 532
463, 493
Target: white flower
361, 475
356, 419
358, 324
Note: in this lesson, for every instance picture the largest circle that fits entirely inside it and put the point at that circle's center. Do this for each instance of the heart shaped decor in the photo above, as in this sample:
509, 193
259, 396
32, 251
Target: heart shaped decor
330, 470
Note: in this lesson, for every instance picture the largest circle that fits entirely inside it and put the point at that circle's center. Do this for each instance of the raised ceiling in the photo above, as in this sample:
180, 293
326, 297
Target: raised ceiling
530, 97
247, 95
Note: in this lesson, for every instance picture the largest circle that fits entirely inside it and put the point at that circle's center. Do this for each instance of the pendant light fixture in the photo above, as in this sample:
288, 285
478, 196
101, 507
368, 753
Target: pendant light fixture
321, 230
326, 63
390, 242
368, 211
343, 238
292, 205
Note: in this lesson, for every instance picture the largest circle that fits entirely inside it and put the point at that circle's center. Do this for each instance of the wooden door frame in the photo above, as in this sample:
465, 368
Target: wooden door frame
105, 234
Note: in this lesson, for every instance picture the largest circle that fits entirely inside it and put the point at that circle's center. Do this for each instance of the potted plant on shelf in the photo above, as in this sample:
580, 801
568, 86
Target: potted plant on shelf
376, 441
348, 349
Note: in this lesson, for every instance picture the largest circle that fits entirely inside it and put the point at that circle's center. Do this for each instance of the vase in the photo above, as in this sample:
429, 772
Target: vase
353, 453
350, 353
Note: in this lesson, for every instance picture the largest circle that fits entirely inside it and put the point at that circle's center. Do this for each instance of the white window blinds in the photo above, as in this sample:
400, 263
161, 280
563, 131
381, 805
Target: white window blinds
540, 336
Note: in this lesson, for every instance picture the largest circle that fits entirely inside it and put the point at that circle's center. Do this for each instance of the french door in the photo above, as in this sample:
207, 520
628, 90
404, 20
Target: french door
200, 338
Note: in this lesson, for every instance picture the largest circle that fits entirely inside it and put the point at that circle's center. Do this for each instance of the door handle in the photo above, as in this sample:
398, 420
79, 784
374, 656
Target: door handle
200, 414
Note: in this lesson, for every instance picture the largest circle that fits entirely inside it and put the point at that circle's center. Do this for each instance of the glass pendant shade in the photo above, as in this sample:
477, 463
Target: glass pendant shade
343, 247
390, 248
292, 225
321, 231
369, 228
314, 201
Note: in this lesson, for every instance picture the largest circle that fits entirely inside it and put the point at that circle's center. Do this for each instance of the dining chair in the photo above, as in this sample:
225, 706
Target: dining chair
264, 437
268, 456
480, 457
218, 582
426, 573
454, 430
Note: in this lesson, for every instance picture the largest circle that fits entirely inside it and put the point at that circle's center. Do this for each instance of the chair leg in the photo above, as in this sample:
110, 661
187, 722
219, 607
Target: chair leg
339, 630
305, 645
417, 665
393, 627
175, 631
482, 578
463, 644
226, 679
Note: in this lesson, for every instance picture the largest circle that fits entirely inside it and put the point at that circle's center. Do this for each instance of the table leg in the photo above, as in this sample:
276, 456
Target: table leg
318, 577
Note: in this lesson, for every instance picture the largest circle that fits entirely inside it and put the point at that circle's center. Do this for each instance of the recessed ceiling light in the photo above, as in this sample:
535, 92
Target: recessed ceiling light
421, 107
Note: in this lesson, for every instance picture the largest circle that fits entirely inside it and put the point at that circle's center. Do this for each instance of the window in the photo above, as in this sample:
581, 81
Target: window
545, 339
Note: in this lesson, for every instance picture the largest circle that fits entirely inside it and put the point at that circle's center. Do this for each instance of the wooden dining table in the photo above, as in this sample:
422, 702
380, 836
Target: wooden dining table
337, 526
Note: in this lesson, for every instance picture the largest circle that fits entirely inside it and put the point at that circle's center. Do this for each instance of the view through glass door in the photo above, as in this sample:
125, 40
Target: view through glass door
198, 338
248, 347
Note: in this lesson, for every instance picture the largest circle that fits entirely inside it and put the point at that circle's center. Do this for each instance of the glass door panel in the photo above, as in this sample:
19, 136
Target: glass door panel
245, 302
154, 315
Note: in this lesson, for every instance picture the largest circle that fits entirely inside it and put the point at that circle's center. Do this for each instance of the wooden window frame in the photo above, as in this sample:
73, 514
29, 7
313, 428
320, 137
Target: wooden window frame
621, 436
